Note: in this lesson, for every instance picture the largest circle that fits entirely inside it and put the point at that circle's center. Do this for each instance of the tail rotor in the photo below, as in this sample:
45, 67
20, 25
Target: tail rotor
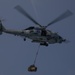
1, 26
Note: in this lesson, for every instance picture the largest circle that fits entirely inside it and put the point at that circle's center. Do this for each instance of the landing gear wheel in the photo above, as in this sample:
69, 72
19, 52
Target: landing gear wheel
24, 39
45, 44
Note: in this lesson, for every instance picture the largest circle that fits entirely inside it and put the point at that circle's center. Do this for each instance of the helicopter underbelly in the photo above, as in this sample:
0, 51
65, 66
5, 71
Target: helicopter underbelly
41, 39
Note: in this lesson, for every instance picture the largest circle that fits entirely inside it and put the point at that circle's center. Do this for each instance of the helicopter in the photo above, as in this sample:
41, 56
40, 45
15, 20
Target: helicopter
39, 34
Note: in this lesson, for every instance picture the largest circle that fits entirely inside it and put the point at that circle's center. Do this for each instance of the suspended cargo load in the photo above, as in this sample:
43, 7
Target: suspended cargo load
32, 68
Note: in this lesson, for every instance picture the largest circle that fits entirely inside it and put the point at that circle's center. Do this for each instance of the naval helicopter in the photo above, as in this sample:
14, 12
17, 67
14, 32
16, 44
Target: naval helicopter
39, 34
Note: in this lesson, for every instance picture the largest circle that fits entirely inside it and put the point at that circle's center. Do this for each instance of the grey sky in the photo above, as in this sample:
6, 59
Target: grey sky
16, 55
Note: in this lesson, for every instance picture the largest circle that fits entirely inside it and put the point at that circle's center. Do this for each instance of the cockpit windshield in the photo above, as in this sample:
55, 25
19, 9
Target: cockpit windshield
29, 28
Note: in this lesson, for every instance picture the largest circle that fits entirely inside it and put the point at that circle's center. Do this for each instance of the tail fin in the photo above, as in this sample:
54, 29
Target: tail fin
1, 27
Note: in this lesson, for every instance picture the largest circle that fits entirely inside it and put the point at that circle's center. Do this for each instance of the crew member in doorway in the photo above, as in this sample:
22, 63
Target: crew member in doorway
43, 32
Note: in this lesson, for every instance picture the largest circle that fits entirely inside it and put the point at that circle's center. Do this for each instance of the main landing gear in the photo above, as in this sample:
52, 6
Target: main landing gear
44, 44
24, 39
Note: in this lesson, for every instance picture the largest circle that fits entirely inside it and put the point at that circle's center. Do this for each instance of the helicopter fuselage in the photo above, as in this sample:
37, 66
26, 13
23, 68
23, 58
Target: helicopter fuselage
38, 34
44, 37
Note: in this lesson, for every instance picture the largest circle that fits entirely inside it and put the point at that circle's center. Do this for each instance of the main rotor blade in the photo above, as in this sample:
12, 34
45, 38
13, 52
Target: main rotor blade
22, 11
61, 17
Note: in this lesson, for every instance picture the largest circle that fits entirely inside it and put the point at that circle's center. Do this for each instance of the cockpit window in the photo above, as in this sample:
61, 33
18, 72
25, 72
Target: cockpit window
29, 28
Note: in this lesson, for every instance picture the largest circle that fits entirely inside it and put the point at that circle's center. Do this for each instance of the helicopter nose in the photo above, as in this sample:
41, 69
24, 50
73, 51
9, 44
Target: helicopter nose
64, 40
